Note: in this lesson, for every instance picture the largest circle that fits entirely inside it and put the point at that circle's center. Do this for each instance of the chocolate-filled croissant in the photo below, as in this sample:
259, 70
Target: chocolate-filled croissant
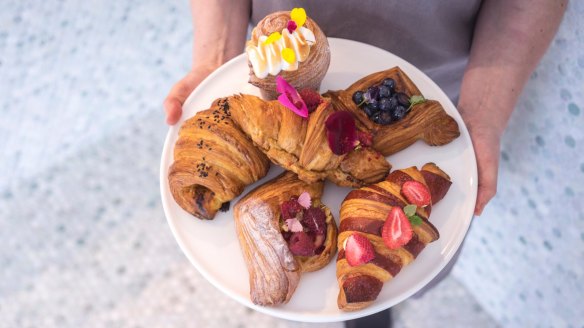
274, 270
213, 162
364, 211
221, 150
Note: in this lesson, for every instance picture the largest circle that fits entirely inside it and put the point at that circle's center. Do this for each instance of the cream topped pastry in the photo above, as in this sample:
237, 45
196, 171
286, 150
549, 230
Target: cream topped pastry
288, 45
282, 51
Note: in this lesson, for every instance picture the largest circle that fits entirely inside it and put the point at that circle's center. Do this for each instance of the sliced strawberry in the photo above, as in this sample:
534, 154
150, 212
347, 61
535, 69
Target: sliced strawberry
311, 98
397, 229
358, 250
314, 220
416, 193
290, 209
301, 244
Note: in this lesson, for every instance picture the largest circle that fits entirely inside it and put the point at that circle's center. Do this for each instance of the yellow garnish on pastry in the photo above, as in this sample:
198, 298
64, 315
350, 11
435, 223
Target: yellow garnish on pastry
273, 38
289, 55
299, 16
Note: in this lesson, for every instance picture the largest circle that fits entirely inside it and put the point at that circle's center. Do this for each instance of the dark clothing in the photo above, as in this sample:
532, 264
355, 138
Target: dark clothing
435, 36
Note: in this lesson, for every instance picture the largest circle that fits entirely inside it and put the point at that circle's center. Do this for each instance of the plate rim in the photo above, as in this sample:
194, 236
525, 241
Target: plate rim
277, 311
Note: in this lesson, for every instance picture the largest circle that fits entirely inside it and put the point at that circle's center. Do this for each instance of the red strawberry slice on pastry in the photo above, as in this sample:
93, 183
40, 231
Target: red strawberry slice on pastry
416, 193
397, 229
358, 250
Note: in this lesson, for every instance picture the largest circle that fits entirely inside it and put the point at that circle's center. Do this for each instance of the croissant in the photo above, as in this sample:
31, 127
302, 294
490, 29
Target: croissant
427, 121
213, 162
300, 145
309, 73
364, 212
274, 271
221, 150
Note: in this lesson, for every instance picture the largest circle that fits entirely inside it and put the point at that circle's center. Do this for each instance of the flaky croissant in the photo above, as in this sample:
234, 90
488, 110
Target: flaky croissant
427, 121
310, 72
220, 151
300, 145
274, 271
364, 212
213, 162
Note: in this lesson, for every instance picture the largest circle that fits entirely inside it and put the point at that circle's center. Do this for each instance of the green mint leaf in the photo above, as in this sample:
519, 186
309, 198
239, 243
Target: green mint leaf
410, 210
414, 100
415, 220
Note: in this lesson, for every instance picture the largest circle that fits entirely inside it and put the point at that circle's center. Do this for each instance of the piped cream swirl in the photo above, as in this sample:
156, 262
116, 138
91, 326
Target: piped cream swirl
267, 58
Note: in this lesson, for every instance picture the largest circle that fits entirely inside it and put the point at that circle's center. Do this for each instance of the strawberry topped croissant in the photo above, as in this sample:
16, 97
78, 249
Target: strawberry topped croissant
384, 227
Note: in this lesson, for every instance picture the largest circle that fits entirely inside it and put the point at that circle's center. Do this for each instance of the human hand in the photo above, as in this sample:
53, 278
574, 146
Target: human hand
181, 90
486, 140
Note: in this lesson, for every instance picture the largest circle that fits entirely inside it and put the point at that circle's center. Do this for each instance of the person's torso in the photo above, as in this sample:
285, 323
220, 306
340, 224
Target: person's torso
435, 36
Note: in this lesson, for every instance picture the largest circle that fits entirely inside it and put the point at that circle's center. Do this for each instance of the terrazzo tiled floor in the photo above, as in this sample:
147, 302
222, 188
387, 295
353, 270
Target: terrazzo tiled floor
85, 241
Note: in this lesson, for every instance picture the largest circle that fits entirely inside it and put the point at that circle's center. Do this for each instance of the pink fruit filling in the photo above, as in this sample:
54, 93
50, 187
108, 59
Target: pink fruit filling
310, 240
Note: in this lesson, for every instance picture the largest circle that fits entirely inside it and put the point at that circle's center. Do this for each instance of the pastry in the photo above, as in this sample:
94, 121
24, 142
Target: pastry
287, 44
390, 106
284, 230
213, 162
221, 150
382, 230
300, 145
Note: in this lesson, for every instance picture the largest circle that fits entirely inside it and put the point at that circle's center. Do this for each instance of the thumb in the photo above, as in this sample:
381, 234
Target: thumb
179, 93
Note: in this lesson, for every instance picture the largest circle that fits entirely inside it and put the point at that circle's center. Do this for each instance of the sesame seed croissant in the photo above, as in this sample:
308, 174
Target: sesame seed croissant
222, 150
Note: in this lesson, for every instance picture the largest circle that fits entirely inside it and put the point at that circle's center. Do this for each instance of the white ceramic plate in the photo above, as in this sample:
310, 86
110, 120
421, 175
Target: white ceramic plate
213, 247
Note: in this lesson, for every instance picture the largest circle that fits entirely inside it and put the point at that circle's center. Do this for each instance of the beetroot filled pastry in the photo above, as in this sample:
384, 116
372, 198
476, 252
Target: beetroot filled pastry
284, 230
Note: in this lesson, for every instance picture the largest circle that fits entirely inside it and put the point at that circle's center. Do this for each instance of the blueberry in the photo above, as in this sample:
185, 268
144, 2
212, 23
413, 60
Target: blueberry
398, 113
370, 110
403, 99
374, 105
358, 97
384, 91
392, 102
384, 118
384, 104
373, 92
375, 117
390, 83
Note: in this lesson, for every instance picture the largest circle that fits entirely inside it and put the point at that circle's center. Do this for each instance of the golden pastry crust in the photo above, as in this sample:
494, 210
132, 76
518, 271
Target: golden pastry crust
364, 211
273, 271
427, 121
300, 145
213, 162
310, 72
223, 149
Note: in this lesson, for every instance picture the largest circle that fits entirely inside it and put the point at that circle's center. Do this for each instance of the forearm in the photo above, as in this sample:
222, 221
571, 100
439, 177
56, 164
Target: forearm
510, 38
220, 28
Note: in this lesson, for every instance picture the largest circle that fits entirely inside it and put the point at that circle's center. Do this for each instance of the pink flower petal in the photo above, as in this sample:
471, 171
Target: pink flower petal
290, 98
304, 200
294, 225
341, 132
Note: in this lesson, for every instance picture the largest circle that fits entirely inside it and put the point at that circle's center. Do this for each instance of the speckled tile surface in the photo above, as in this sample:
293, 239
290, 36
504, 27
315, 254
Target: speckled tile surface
524, 259
85, 241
